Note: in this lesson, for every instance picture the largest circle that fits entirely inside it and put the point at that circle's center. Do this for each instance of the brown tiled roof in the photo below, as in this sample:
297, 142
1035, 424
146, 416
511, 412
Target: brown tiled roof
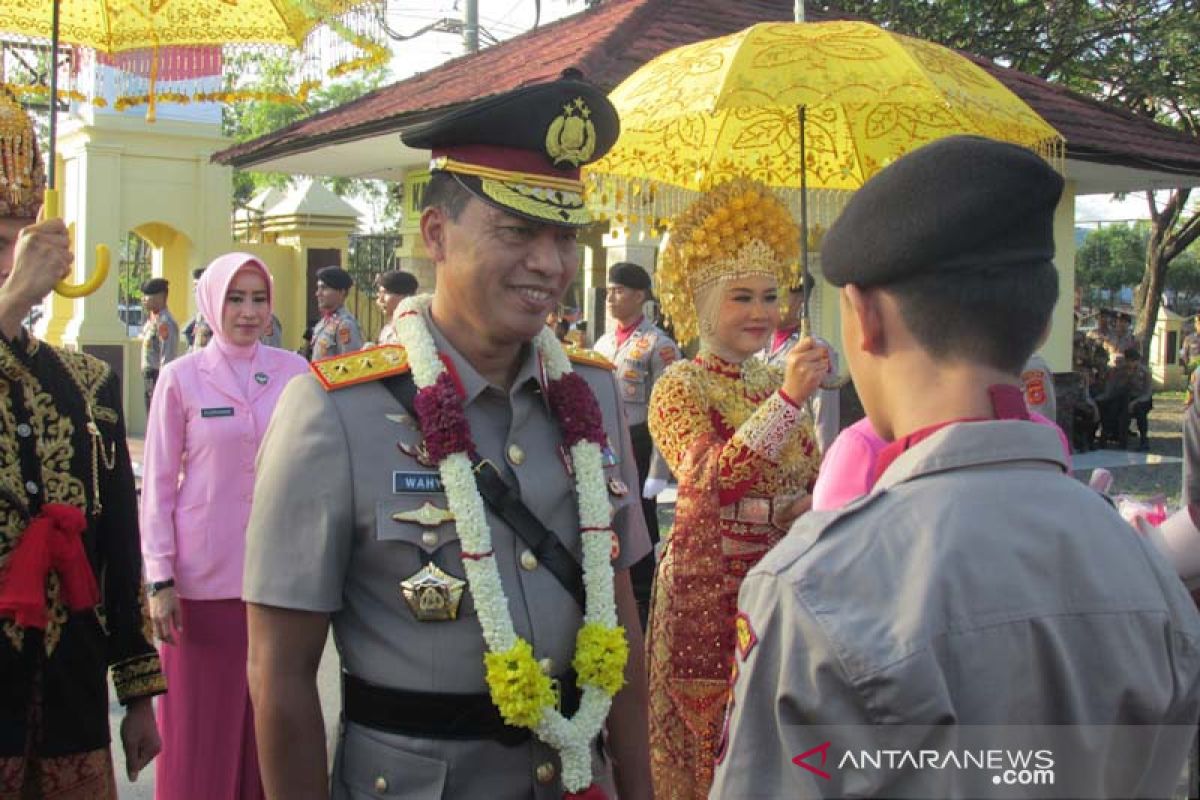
613, 39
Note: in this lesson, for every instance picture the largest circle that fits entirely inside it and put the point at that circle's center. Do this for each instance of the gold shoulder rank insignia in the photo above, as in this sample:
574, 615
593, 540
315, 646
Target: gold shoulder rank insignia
361, 366
579, 355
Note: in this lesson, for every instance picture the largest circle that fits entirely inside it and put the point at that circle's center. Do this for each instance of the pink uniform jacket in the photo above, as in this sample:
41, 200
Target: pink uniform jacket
202, 438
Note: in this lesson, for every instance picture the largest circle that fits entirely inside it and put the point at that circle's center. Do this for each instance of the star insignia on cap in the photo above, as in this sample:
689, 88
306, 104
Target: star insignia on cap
571, 137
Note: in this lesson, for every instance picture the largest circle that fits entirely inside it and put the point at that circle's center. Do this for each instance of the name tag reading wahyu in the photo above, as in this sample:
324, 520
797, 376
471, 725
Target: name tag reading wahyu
223, 411
416, 482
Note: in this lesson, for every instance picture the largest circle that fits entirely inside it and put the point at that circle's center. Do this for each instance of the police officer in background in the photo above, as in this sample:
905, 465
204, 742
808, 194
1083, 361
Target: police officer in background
197, 332
351, 523
160, 333
336, 332
1189, 353
641, 351
390, 289
826, 401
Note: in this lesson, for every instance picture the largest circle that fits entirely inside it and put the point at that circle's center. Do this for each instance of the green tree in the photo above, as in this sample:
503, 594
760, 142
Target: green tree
1111, 258
249, 120
1140, 55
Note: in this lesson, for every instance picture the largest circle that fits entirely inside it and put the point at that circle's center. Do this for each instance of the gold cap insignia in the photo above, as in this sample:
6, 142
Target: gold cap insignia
571, 137
433, 595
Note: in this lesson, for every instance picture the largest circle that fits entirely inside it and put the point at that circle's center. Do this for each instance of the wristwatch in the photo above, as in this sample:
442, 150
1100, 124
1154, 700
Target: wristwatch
156, 587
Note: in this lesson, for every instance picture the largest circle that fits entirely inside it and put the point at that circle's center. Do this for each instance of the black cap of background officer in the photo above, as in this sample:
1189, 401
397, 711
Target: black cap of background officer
521, 150
631, 276
335, 278
155, 286
398, 282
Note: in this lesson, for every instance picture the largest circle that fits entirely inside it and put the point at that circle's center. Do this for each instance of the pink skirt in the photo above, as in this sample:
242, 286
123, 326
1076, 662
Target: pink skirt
205, 718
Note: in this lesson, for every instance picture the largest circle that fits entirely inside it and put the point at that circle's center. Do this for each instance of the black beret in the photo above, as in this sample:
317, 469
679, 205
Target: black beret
196, 273
960, 203
155, 286
630, 276
398, 282
335, 278
522, 150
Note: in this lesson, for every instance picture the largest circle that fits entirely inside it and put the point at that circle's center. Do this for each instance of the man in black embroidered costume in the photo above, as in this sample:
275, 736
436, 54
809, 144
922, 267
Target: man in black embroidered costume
70, 563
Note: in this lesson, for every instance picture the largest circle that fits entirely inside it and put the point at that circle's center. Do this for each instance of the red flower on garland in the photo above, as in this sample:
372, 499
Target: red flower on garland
593, 792
443, 419
576, 409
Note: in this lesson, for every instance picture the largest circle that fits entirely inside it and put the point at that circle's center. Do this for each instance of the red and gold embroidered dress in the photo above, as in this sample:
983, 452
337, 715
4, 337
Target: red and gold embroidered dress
739, 450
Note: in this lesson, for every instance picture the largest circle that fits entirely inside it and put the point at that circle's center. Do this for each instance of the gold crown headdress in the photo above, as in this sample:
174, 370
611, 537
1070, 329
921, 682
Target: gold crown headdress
738, 229
21, 176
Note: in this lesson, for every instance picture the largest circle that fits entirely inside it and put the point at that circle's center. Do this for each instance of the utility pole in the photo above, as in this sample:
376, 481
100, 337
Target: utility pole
471, 26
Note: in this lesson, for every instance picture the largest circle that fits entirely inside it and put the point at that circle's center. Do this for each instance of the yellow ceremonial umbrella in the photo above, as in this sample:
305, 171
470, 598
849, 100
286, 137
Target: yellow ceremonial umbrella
807, 108
116, 26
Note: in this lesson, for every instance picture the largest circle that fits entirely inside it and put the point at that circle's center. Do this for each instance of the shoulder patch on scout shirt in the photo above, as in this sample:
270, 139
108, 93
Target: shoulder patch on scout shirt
590, 357
361, 366
746, 637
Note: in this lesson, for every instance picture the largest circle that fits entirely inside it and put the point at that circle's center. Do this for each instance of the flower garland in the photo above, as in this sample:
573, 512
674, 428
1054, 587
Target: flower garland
519, 688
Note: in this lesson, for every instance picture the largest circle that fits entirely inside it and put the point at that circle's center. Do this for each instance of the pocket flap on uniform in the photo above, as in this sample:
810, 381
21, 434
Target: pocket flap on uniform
423, 520
374, 768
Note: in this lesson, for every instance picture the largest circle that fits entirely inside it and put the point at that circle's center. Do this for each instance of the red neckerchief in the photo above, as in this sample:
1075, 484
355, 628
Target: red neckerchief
781, 335
1008, 402
625, 331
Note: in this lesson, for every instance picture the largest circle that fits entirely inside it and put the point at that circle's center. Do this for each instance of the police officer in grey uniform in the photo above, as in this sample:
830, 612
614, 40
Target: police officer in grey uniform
974, 610
350, 524
337, 331
160, 333
826, 401
390, 288
640, 350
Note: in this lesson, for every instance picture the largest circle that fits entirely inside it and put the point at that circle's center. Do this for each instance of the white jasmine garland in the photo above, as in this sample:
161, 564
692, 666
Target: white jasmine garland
572, 738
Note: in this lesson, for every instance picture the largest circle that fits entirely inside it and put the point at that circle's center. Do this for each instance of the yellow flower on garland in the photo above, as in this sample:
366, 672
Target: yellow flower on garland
518, 686
600, 656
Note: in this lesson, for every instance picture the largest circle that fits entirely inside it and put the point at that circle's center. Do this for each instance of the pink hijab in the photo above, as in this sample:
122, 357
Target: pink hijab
210, 297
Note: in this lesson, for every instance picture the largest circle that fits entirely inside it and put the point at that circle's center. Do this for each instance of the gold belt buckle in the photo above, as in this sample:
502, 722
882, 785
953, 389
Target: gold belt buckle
755, 510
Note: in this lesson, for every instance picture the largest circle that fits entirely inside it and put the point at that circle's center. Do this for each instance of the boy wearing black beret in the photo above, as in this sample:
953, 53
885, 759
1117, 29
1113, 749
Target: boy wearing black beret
978, 588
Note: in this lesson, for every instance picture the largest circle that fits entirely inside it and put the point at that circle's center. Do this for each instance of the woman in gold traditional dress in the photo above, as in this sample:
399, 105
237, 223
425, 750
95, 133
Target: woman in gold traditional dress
735, 434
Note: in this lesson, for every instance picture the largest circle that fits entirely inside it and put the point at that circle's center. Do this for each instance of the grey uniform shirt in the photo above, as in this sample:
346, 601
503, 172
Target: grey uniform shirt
1037, 382
950, 595
640, 360
322, 537
160, 340
336, 334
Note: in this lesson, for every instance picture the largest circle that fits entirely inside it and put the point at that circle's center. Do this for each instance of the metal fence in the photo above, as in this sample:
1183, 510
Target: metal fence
369, 255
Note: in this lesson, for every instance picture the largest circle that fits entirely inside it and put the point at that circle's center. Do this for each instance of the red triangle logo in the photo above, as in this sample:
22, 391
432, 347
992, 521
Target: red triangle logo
801, 760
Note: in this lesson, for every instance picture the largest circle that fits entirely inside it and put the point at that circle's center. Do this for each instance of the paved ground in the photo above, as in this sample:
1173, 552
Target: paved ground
1140, 474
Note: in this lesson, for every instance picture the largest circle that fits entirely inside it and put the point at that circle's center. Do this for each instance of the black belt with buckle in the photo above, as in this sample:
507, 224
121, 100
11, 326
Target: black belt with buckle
439, 715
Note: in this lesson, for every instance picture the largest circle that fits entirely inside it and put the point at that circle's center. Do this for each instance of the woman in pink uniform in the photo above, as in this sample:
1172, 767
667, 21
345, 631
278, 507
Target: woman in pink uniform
202, 436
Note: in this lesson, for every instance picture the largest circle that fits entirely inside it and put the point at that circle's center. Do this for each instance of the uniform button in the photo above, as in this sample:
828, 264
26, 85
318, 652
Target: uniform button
32, 488
516, 455
546, 665
381, 784
23, 430
429, 538
546, 772
528, 560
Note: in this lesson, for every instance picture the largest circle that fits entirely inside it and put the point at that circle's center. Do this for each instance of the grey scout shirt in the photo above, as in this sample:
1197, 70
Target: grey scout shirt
322, 537
160, 340
949, 594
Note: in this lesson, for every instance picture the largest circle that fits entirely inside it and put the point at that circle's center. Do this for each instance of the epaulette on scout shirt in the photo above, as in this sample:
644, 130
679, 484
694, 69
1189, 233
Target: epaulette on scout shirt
361, 366
578, 355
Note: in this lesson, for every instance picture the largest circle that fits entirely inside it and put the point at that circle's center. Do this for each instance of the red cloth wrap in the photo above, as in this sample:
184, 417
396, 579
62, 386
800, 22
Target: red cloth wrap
53, 541
593, 792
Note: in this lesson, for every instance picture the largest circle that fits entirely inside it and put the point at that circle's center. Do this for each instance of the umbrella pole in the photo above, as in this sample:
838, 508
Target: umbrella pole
805, 326
51, 167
